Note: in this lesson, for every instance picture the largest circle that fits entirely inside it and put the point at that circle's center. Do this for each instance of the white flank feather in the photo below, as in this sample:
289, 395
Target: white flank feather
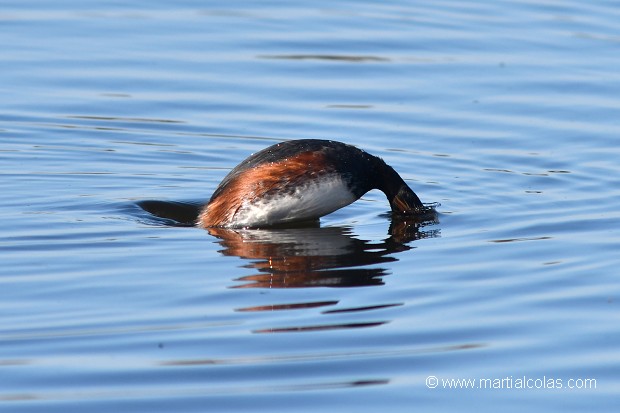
310, 201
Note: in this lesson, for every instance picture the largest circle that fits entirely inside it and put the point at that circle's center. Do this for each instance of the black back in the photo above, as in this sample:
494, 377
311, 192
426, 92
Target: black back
360, 169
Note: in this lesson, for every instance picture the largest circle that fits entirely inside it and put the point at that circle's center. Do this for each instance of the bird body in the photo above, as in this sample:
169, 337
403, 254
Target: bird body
302, 180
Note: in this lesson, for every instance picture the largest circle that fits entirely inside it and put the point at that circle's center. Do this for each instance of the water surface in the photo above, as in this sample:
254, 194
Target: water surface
505, 113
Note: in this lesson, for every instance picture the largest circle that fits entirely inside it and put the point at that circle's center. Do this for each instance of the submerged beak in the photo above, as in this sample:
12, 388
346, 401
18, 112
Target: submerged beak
406, 202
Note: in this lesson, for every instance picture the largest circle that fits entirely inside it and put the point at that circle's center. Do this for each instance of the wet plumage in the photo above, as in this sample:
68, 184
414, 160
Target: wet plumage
302, 180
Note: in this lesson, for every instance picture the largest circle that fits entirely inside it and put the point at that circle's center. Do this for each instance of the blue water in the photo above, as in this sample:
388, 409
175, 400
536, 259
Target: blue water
505, 113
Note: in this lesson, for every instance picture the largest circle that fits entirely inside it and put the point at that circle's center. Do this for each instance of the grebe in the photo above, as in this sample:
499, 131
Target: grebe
302, 180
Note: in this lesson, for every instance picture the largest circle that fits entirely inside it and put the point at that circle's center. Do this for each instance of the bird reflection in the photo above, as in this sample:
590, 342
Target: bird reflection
308, 256
314, 256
